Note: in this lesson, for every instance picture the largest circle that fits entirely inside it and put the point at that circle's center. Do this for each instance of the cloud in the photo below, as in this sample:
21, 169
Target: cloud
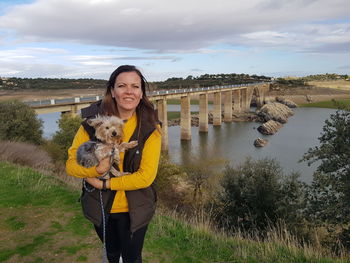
170, 25
98, 59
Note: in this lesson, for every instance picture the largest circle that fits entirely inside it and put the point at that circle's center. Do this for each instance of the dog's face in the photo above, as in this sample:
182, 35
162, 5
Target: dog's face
109, 129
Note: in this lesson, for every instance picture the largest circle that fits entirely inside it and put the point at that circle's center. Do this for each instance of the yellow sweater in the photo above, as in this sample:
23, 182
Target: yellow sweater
142, 178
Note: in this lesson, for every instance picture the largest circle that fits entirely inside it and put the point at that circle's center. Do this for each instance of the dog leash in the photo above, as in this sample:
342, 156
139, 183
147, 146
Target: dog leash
104, 248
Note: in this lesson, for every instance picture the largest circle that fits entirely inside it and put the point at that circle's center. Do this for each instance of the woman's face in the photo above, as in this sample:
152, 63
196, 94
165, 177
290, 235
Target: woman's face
127, 93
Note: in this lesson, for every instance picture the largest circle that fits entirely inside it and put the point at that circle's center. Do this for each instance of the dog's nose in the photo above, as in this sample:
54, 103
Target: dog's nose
114, 133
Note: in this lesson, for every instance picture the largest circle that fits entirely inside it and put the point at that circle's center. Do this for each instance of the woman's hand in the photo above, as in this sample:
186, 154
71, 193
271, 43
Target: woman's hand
97, 183
104, 166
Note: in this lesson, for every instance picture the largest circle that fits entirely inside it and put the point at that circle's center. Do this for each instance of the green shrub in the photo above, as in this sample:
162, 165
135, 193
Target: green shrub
257, 196
170, 185
63, 138
19, 123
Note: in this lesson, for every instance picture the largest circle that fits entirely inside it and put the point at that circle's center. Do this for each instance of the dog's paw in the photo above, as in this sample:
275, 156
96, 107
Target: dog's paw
132, 144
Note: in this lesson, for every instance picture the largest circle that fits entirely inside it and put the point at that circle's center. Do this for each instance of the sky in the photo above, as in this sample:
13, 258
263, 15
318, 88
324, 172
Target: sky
164, 39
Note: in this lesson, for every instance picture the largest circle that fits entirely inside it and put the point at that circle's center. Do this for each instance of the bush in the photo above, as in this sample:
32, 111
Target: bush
256, 196
63, 138
19, 123
170, 184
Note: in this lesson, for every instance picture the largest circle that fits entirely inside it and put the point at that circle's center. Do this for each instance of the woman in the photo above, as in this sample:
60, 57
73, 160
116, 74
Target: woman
134, 200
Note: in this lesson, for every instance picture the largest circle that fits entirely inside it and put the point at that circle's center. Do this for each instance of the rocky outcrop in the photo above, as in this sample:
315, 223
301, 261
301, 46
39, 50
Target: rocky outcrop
259, 142
286, 102
270, 127
275, 111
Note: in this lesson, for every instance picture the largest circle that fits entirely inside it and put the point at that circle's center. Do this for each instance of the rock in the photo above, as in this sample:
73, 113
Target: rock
286, 102
270, 127
308, 98
275, 111
259, 142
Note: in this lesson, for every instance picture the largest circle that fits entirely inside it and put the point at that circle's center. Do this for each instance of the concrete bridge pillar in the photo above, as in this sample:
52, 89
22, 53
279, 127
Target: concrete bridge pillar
217, 109
73, 110
237, 107
163, 117
260, 99
244, 98
185, 118
228, 106
203, 112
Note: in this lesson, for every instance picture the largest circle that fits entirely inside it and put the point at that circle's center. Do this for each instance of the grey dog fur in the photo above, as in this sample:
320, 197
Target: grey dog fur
86, 154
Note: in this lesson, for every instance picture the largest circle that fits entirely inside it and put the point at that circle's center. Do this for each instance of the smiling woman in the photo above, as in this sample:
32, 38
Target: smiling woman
129, 200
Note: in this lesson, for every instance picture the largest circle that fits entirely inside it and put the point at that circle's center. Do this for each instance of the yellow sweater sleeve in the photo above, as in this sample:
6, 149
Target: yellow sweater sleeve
147, 171
72, 167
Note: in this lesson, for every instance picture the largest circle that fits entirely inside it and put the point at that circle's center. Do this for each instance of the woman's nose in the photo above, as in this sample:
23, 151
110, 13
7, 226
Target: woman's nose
128, 89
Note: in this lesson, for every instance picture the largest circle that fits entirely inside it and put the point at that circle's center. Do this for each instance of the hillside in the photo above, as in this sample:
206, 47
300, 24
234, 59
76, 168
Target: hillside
95, 84
41, 221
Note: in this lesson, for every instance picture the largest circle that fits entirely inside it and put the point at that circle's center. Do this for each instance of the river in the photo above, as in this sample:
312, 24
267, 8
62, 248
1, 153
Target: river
234, 141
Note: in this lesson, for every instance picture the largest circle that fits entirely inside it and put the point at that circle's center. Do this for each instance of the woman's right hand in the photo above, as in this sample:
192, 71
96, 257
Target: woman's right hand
104, 166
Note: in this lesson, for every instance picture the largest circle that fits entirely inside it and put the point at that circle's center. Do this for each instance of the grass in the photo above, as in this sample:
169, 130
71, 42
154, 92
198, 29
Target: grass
41, 221
326, 104
172, 240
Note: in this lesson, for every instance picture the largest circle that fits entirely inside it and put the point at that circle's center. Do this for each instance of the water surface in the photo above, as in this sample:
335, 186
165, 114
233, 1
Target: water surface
234, 141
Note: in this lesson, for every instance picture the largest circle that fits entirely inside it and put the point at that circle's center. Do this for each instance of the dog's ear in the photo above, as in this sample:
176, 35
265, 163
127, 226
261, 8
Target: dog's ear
94, 122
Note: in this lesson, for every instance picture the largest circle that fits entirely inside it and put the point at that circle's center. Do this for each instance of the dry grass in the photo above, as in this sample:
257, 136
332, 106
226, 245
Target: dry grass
201, 238
332, 84
37, 158
25, 154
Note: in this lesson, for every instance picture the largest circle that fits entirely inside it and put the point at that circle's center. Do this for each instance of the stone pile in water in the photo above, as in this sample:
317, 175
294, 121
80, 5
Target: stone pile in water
274, 115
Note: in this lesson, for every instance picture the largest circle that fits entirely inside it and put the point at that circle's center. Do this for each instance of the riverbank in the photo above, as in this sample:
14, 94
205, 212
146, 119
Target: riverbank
32, 94
323, 91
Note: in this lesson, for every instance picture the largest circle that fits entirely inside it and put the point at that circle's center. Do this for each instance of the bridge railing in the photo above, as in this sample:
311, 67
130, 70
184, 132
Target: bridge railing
46, 102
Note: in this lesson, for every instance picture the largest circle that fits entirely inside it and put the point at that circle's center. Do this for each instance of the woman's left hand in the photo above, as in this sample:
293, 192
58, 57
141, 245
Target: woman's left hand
97, 183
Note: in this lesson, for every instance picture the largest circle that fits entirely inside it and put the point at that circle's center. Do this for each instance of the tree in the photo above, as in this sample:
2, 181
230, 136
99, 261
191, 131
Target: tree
19, 122
329, 198
256, 195
63, 138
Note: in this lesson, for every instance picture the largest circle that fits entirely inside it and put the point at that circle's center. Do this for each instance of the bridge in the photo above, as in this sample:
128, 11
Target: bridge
234, 98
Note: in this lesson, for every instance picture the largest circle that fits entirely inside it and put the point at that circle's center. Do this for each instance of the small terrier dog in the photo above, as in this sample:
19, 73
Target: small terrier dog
109, 133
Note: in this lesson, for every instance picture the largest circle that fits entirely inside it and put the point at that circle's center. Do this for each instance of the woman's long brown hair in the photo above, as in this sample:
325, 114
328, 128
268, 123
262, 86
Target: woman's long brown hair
145, 107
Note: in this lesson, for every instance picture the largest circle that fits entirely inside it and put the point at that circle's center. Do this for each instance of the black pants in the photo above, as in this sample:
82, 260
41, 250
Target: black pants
120, 242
